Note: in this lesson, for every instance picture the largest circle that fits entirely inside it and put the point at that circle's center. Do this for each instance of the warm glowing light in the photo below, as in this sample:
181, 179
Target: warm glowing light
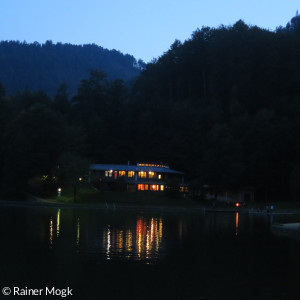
237, 204
148, 237
59, 190
148, 243
141, 187
142, 174
152, 165
151, 174
120, 241
108, 173
130, 173
143, 244
139, 236
154, 187
80, 179
236, 223
122, 173
159, 176
129, 242
162, 187
51, 232
57, 222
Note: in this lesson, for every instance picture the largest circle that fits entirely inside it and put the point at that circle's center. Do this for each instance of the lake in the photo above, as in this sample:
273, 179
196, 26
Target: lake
148, 255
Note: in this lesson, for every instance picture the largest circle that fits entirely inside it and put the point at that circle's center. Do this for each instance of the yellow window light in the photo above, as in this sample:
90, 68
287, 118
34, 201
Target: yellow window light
151, 174
130, 173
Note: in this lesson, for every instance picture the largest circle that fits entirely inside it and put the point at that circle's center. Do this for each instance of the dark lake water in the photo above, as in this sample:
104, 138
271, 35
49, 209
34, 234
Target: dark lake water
148, 255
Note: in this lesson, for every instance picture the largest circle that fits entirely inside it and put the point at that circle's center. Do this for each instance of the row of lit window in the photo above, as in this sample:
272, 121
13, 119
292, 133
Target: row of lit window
130, 174
143, 174
151, 165
151, 187
118, 173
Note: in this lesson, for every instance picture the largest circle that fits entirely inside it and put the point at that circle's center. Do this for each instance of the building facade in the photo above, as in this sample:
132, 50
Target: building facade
140, 177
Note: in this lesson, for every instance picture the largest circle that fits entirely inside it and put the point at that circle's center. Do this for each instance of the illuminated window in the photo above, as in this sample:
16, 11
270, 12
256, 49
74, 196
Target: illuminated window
154, 187
159, 176
151, 174
182, 189
162, 188
141, 187
130, 173
122, 173
142, 174
116, 174
108, 173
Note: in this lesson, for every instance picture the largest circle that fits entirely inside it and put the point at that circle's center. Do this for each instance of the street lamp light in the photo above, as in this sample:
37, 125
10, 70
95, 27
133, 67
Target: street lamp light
58, 192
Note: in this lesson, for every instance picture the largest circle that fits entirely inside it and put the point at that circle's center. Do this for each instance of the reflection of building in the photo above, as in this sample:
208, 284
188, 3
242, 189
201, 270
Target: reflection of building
143, 243
141, 177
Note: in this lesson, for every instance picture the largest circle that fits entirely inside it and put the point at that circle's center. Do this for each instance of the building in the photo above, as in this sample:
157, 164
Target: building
140, 177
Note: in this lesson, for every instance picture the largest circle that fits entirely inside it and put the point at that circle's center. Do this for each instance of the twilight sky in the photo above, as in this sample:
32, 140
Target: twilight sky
143, 28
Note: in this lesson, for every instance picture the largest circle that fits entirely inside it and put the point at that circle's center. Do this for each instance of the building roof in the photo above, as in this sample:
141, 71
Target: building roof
135, 168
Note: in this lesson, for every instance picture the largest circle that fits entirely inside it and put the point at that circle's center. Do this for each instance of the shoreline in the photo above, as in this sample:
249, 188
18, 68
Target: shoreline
51, 204
40, 202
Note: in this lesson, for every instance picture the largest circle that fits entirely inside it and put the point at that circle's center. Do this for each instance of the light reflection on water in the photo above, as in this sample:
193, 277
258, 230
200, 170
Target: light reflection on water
51, 232
236, 223
139, 236
57, 222
141, 239
195, 252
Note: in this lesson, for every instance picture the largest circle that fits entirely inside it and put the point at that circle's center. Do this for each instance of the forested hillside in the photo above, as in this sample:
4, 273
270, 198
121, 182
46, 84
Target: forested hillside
224, 107
46, 66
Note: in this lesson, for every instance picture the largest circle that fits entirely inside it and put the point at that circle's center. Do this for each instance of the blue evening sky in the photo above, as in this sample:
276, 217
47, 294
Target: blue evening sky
143, 28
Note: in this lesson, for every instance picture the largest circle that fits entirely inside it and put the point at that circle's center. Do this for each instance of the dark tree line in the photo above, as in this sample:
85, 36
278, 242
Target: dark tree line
224, 107
45, 66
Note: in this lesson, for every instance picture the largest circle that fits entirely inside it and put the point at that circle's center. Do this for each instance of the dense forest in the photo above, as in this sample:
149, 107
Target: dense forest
224, 107
45, 66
